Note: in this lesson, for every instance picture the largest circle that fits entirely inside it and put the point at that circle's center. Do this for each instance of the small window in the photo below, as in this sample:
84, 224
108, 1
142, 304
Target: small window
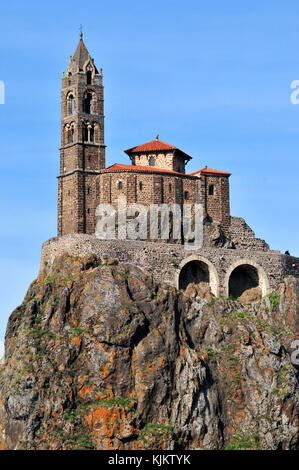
140, 185
69, 192
211, 190
87, 104
70, 104
152, 161
70, 135
85, 133
120, 185
186, 195
88, 190
170, 187
88, 211
89, 77
91, 134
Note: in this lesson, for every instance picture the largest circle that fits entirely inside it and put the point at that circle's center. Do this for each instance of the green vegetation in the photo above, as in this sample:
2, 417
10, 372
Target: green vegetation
152, 430
274, 299
215, 299
78, 331
38, 333
49, 279
119, 273
283, 373
244, 442
210, 352
241, 315
110, 403
79, 438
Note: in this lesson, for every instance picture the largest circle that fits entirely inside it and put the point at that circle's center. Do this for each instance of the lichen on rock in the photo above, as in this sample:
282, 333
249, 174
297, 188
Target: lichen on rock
99, 356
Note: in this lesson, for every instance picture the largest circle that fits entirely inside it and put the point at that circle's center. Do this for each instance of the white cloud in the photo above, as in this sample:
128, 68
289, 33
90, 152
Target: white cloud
1, 349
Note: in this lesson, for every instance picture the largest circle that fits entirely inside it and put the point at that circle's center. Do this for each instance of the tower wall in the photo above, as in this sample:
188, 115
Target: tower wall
82, 152
215, 196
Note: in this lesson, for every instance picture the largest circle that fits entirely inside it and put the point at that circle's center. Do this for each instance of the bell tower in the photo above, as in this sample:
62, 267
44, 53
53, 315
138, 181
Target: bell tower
82, 151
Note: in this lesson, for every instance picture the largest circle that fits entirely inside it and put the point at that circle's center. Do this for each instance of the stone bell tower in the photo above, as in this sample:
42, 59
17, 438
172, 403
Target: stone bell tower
82, 151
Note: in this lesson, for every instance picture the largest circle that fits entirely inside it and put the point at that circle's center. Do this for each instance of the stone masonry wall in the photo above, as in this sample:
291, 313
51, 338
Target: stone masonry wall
243, 236
164, 261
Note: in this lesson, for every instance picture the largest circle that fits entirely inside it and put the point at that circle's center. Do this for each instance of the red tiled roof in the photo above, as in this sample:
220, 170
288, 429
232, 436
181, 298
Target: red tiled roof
149, 169
155, 145
210, 171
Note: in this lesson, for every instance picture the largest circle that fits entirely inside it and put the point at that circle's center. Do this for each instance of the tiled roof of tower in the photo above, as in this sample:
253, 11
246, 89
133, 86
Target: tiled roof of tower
155, 145
210, 171
117, 167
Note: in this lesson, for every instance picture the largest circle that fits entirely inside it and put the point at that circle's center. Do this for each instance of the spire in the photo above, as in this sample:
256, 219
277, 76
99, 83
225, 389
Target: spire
81, 55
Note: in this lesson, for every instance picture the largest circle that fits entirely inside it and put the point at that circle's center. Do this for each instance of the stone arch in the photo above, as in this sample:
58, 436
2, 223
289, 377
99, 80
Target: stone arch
88, 102
244, 274
70, 103
69, 133
198, 269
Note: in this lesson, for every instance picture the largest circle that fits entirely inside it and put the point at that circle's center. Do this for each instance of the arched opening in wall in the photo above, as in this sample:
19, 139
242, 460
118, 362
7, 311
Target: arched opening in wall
70, 104
211, 190
242, 278
70, 134
87, 104
152, 161
89, 75
194, 271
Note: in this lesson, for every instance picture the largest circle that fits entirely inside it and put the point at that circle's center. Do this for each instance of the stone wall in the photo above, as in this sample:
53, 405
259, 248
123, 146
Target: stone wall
170, 160
217, 205
165, 261
243, 236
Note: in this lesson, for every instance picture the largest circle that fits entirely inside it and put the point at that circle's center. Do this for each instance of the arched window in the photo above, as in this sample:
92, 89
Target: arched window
140, 185
170, 187
70, 133
211, 190
89, 75
87, 104
120, 185
70, 104
186, 195
152, 161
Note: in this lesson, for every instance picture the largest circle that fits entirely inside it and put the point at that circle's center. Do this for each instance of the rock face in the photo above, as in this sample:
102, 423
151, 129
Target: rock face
253, 295
99, 356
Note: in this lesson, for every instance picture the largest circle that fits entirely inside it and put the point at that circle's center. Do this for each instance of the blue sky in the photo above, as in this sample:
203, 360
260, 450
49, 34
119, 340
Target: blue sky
212, 78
